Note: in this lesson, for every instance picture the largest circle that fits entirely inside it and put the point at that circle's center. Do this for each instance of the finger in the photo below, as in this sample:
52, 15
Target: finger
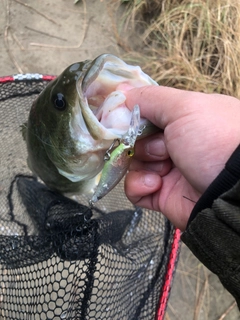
161, 105
151, 148
160, 167
166, 195
139, 184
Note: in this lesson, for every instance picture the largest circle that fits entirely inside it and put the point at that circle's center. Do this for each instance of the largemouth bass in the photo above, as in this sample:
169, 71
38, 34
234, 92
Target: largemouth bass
75, 119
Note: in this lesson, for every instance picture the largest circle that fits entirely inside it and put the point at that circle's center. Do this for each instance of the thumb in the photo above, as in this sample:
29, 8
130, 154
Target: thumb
160, 105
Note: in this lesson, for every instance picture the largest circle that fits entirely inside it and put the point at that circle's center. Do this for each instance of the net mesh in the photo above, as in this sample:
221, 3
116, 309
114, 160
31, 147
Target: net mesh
59, 259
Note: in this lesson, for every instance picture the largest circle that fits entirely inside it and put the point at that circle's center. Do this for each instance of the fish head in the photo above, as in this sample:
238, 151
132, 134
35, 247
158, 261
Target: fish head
56, 121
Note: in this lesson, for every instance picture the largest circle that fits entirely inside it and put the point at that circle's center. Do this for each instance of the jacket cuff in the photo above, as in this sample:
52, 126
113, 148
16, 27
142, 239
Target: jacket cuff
227, 178
213, 232
214, 238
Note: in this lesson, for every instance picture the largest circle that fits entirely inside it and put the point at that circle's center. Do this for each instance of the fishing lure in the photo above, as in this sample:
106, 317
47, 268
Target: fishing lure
117, 162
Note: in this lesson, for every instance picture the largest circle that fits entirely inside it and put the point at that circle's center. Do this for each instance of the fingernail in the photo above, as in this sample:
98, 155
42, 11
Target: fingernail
150, 180
156, 147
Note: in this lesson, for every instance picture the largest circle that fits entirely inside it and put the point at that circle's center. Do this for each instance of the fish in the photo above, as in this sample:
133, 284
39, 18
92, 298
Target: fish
74, 121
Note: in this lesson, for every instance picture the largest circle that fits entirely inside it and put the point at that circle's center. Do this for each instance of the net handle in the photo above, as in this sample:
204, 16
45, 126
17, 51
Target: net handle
27, 76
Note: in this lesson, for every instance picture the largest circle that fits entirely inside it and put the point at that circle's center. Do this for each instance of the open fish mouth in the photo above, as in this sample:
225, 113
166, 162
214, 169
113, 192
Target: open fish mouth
101, 95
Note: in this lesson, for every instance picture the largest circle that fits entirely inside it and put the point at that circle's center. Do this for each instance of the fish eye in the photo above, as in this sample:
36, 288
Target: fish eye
60, 102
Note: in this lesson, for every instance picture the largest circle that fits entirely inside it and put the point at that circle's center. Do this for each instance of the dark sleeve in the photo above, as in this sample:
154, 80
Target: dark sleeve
213, 231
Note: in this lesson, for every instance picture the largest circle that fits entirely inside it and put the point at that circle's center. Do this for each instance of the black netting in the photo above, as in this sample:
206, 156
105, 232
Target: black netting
58, 258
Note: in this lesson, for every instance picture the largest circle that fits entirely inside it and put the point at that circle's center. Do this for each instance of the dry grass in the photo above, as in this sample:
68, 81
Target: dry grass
187, 44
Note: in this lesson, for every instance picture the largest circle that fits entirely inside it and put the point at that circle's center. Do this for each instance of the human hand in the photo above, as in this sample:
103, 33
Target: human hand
171, 170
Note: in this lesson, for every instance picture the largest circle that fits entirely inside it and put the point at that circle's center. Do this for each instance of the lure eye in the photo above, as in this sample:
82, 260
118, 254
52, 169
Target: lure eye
130, 152
60, 102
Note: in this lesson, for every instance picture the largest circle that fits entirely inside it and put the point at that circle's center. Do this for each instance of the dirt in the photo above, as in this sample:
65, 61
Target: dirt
47, 36
48, 43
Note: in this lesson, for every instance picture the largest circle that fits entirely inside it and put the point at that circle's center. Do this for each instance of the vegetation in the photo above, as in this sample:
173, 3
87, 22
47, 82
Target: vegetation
187, 44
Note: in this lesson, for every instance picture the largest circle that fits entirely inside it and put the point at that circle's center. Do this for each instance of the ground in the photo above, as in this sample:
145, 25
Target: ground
47, 36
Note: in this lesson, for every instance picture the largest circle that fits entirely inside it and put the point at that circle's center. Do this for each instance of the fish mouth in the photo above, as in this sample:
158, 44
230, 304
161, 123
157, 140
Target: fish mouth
102, 95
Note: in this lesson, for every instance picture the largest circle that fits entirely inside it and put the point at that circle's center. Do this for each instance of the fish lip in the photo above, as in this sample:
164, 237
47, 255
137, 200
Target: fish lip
88, 75
96, 67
